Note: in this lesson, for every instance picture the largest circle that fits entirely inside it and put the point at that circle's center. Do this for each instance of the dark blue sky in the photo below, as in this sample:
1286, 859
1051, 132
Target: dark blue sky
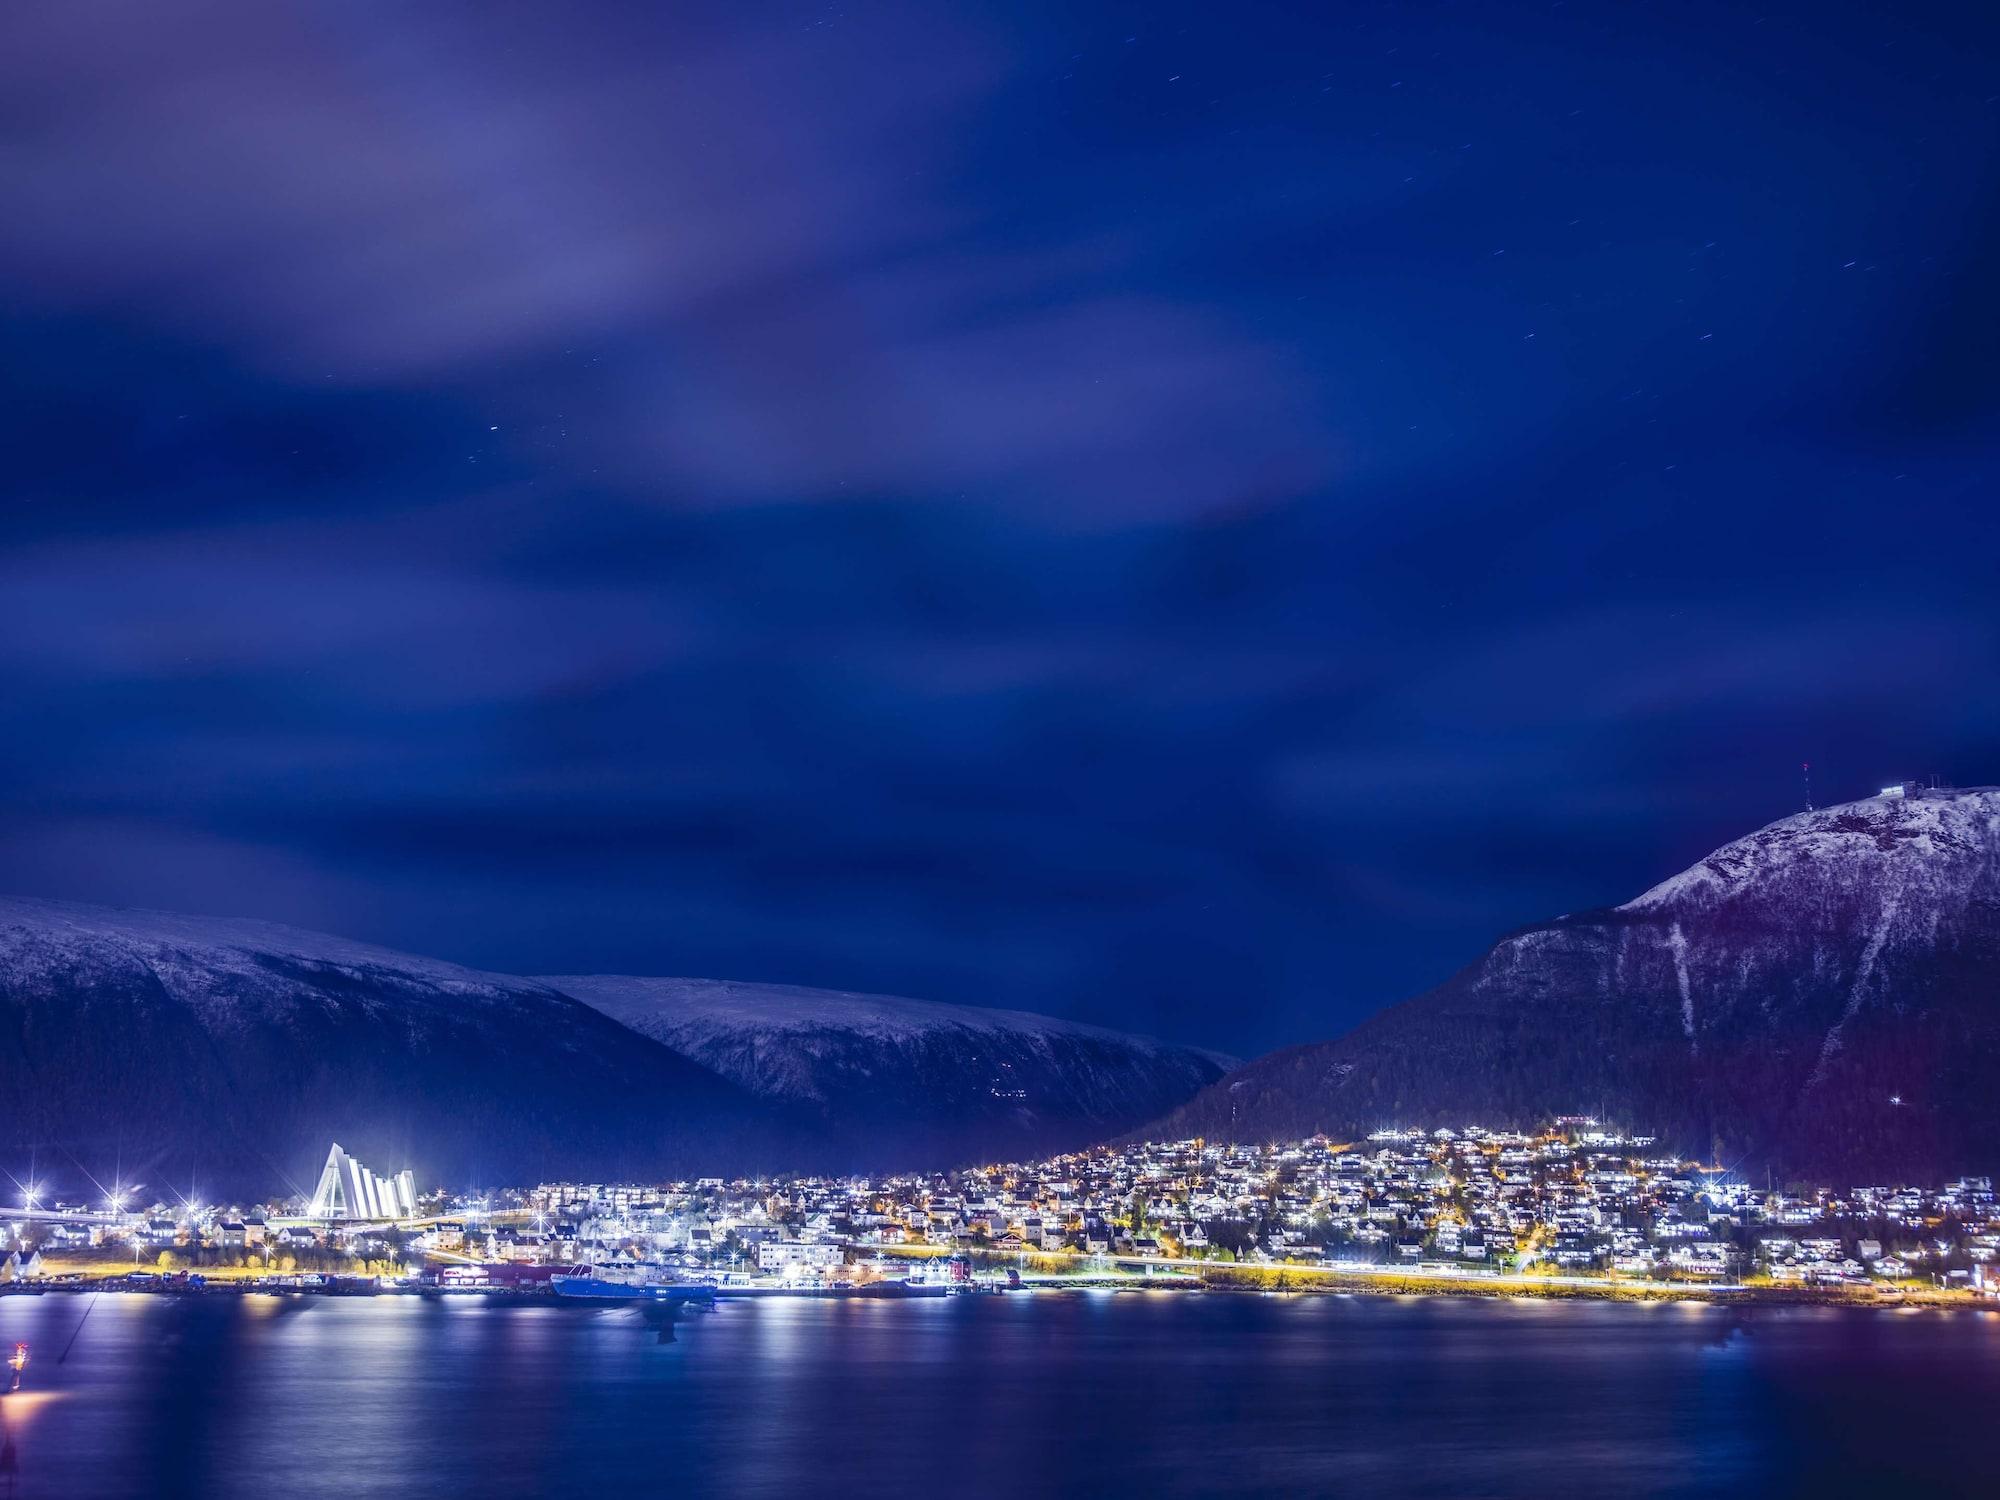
1190, 517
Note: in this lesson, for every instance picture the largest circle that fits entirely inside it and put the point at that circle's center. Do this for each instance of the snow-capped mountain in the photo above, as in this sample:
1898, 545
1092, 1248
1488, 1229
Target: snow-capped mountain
190, 1052
897, 1081
1821, 996
223, 1056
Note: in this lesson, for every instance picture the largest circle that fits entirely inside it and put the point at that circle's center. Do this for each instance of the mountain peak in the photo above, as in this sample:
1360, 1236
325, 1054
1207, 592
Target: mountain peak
1919, 835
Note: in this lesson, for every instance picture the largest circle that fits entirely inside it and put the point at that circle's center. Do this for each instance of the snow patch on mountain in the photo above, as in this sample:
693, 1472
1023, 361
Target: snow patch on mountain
1678, 943
904, 1079
796, 1010
35, 933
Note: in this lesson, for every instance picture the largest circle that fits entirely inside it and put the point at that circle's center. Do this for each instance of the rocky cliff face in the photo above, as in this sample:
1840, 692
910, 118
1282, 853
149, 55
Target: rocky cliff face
902, 1082
183, 1051
1822, 996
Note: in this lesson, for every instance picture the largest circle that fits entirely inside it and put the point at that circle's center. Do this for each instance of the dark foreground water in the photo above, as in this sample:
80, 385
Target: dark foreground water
1074, 1394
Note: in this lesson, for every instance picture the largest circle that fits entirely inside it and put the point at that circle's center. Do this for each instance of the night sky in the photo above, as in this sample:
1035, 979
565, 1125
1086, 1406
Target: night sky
1189, 517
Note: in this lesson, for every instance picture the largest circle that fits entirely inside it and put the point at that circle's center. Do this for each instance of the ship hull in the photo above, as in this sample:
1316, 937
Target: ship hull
597, 1289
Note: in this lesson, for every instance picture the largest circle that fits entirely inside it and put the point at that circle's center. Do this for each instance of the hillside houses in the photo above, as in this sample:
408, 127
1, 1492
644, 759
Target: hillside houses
1582, 1199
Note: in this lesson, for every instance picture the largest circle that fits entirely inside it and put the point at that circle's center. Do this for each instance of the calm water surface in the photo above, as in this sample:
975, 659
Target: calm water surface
1074, 1394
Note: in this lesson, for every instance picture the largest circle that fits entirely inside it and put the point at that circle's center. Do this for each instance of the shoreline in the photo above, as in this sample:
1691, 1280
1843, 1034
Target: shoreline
1305, 1281
1398, 1281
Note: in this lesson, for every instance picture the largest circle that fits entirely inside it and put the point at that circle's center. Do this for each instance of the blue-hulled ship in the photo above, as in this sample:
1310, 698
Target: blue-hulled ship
591, 1286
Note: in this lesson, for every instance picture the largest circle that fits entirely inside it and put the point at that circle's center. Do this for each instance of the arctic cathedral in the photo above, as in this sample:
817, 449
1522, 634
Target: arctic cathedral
348, 1190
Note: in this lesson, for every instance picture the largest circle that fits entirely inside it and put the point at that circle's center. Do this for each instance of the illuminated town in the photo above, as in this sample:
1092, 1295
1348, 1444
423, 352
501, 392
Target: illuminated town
1574, 1209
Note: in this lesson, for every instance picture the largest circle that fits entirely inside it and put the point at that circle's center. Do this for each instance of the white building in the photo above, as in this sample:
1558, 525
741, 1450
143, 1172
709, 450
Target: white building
787, 1254
15, 1268
348, 1190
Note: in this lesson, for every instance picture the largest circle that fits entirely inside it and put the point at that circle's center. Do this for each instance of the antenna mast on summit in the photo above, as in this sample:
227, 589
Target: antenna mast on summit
1805, 769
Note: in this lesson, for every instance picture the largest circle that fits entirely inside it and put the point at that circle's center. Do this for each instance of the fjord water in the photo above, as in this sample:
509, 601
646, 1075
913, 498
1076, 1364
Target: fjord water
1083, 1394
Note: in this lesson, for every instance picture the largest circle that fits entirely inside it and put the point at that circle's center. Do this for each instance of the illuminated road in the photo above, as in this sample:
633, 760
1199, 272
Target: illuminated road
1120, 1268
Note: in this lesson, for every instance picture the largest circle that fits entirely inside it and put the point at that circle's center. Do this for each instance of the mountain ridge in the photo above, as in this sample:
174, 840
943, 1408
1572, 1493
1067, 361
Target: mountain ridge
935, 1079
233, 1050
227, 1052
1822, 994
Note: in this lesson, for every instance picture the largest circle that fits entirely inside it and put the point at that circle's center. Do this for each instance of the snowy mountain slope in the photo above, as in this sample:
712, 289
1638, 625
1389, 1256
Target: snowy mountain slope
1823, 995
227, 1054
897, 1080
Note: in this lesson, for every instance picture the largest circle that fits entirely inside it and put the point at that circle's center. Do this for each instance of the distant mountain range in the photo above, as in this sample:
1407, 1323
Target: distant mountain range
224, 1056
896, 1081
1821, 997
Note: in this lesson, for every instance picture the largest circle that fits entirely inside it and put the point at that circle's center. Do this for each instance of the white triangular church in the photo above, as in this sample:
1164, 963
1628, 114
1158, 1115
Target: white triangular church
348, 1190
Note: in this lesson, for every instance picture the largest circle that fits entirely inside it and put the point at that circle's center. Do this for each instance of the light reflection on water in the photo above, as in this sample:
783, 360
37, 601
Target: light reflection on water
1064, 1394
